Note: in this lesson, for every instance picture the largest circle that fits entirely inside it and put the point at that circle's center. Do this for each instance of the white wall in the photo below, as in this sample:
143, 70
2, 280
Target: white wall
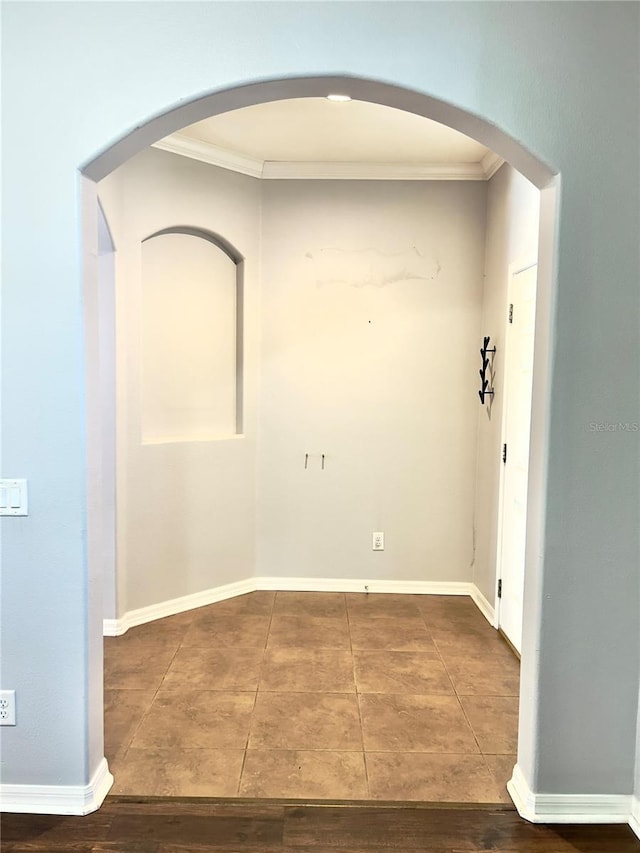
104, 520
371, 298
185, 508
559, 77
513, 214
371, 306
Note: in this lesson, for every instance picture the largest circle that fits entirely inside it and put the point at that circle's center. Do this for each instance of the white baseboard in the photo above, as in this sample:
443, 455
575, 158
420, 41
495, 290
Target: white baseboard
58, 799
116, 627
567, 808
363, 585
483, 605
634, 820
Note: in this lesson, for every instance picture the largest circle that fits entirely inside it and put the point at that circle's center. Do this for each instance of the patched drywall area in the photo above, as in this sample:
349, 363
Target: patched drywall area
513, 214
185, 479
371, 306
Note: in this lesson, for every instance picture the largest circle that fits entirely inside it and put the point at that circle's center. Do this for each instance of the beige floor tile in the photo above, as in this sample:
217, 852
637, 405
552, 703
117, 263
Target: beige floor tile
306, 721
228, 630
148, 639
409, 723
501, 768
305, 738
464, 617
319, 632
325, 604
123, 712
382, 605
307, 671
258, 603
468, 625
429, 777
201, 668
443, 610
404, 633
186, 719
400, 672
476, 629
179, 772
445, 604
484, 676
304, 774
140, 668
494, 720
486, 646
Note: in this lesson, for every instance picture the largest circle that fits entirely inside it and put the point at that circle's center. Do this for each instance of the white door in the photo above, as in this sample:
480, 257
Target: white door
515, 435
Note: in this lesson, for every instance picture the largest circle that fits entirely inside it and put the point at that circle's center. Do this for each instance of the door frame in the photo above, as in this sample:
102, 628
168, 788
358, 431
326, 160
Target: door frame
513, 270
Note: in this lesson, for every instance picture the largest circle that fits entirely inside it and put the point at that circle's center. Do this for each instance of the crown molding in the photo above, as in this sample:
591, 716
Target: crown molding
277, 170
490, 163
196, 149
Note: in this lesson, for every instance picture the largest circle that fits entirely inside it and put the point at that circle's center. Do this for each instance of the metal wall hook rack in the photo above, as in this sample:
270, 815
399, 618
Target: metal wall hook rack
485, 353
485, 346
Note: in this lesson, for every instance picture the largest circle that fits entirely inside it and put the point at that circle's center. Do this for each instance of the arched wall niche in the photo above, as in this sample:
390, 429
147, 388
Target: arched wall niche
212, 368
217, 240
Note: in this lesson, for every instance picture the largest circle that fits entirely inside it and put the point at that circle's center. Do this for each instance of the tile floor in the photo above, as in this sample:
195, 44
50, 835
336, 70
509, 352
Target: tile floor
314, 696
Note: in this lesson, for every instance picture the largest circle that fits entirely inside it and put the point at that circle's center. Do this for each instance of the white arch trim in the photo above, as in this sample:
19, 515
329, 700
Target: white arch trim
361, 89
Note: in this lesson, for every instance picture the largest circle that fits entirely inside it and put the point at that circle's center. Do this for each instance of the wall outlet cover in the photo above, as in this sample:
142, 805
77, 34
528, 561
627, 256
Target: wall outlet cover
7, 707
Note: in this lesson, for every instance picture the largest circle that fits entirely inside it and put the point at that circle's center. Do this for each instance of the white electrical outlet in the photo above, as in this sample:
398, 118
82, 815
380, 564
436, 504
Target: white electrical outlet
378, 541
7, 707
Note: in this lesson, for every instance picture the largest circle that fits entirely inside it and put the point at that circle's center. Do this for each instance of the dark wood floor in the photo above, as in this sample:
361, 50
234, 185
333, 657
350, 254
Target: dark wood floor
136, 825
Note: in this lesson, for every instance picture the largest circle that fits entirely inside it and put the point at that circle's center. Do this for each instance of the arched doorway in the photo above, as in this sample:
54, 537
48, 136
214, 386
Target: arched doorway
429, 107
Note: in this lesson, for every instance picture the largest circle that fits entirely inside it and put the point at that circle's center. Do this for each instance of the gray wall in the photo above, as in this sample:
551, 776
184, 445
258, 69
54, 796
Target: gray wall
562, 77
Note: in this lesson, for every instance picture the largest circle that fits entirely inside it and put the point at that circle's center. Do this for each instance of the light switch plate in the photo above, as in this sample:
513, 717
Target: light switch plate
13, 497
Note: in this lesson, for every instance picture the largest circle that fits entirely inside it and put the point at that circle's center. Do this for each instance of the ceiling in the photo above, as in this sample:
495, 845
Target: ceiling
318, 138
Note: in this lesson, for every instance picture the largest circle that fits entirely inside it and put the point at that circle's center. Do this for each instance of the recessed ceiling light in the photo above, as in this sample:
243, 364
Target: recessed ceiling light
339, 98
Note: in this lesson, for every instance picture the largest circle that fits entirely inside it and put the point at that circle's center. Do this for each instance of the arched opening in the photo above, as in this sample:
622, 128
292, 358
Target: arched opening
518, 156
191, 330
374, 91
